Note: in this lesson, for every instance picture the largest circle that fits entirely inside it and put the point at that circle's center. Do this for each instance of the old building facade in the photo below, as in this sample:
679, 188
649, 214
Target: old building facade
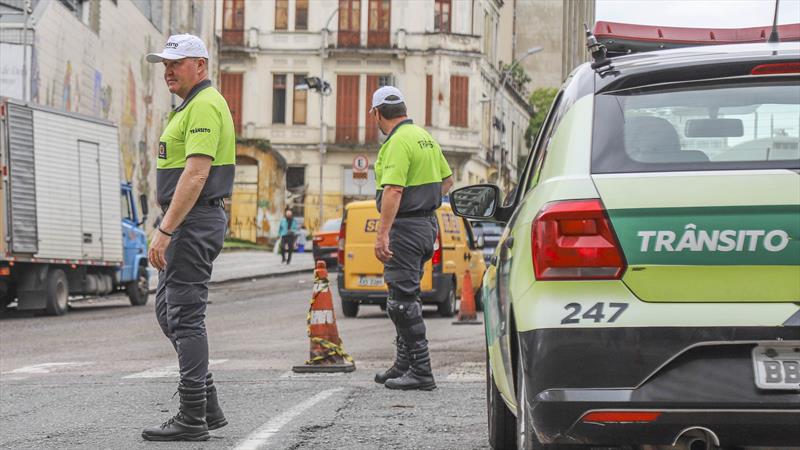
87, 56
445, 55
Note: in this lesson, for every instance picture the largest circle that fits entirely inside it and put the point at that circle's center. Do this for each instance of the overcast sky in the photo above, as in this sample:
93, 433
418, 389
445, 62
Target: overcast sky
698, 13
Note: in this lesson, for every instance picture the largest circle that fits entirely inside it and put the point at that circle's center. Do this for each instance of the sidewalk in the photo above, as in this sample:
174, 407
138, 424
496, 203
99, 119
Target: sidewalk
238, 265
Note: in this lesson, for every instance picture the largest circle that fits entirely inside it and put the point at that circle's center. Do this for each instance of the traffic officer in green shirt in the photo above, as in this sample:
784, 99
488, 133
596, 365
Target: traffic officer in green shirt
411, 176
196, 158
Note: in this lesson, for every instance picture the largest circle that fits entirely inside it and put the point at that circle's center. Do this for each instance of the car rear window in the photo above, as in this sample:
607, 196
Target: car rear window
698, 127
332, 225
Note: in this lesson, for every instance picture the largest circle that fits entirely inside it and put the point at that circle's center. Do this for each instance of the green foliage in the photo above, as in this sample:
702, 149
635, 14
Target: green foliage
540, 99
518, 78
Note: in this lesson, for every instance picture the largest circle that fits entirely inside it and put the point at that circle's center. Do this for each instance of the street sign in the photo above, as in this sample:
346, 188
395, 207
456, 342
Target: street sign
360, 164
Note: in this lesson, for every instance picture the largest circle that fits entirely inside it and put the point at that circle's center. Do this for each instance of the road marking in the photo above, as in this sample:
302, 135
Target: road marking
45, 367
292, 374
468, 371
259, 438
170, 371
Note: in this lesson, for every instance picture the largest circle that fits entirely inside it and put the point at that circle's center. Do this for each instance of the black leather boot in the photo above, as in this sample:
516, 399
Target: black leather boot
419, 375
214, 416
400, 365
190, 422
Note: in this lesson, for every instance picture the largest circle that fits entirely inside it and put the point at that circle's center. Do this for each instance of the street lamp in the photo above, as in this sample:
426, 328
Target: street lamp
323, 88
503, 81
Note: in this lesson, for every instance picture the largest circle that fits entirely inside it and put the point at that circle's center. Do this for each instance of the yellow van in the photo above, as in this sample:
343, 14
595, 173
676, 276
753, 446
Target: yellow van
360, 276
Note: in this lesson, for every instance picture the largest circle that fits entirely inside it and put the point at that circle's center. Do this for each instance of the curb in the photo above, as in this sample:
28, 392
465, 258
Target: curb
254, 277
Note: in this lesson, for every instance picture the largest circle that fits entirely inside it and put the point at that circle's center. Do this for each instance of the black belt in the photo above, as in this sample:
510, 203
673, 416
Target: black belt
202, 202
418, 213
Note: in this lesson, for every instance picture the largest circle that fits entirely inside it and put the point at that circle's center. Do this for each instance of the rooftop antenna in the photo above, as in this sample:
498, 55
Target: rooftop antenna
598, 50
773, 36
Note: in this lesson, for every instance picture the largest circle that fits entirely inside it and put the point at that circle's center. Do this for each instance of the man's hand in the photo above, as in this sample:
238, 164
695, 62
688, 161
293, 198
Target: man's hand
158, 250
382, 251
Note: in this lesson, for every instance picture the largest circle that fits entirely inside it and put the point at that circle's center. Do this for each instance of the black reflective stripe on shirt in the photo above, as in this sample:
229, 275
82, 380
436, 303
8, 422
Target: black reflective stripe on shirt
425, 197
192, 93
219, 182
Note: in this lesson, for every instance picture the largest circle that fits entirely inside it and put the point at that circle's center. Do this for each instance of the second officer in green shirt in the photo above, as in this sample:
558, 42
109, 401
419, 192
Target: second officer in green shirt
411, 176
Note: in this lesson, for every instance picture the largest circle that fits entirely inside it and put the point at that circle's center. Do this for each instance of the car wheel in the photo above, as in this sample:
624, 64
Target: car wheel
350, 308
57, 292
448, 307
139, 290
501, 421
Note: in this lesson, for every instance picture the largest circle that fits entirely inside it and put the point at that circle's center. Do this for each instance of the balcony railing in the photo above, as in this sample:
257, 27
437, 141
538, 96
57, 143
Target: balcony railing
233, 37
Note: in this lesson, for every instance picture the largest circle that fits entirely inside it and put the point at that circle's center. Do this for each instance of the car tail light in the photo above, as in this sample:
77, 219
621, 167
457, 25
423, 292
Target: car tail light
621, 416
437, 250
776, 68
574, 240
342, 234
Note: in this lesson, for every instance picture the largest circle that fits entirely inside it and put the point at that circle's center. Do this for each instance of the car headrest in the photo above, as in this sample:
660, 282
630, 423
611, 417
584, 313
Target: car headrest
648, 135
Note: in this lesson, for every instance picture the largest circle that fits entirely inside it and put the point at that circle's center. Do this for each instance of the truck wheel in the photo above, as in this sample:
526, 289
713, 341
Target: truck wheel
139, 291
57, 293
448, 307
350, 308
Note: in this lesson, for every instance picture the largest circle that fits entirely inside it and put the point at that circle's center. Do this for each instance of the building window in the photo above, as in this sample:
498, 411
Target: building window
347, 101
488, 36
428, 100
380, 14
233, 22
459, 101
373, 83
299, 101
301, 14
279, 98
232, 91
281, 14
441, 16
349, 23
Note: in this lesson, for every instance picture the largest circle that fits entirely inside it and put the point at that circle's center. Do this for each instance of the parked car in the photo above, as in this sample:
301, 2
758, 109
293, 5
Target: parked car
488, 233
325, 245
361, 273
646, 287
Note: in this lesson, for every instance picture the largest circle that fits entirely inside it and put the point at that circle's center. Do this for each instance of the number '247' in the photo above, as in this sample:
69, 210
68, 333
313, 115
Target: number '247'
594, 313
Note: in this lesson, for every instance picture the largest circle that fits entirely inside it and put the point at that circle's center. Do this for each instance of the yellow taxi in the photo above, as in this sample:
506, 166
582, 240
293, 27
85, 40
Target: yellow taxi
360, 278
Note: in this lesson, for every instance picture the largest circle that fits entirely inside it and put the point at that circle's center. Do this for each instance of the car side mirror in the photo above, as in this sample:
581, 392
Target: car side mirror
144, 207
478, 201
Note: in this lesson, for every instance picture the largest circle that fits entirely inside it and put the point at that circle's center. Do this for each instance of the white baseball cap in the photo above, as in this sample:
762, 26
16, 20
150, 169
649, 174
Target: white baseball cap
180, 46
380, 95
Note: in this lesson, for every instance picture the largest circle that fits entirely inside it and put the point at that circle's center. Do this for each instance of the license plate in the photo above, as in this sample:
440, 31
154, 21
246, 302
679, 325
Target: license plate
370, 281
777, 366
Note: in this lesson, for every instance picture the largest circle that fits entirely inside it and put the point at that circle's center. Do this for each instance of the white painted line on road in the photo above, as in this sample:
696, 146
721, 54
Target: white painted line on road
468, 371
259, 438
292, 374
170, 371
45, 367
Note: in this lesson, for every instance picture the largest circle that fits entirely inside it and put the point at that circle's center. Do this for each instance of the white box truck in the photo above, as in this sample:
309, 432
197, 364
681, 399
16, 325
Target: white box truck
68, 226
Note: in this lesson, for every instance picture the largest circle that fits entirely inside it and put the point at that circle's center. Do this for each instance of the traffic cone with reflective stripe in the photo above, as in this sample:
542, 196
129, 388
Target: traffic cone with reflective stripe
467, 315
327, 353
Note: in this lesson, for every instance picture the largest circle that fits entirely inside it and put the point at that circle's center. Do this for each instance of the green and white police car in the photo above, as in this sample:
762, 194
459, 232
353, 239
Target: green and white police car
646, 289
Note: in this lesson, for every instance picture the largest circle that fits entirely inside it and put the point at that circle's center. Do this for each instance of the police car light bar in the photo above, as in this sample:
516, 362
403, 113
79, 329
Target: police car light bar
623, 38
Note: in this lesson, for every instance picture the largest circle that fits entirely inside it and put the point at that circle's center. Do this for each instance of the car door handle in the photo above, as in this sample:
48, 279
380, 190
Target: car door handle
509, 243
467, 256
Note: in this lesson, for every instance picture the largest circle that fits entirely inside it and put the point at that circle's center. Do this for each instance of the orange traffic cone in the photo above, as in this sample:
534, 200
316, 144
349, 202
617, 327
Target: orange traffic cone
327, 353
466, 313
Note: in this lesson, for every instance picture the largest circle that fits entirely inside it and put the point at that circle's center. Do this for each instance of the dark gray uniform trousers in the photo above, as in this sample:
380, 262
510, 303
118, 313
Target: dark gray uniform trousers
183, 288
411, 241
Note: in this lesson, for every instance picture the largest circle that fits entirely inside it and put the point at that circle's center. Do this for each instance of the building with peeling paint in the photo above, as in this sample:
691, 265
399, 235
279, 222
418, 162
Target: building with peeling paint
445, 55
87, 56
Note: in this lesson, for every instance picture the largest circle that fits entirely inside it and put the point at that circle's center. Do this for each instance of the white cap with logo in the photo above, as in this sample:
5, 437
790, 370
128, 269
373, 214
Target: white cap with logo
180, 46
380, 96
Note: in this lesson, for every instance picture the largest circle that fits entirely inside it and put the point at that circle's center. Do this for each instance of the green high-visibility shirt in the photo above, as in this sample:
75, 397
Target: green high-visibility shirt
201, 125
411, 158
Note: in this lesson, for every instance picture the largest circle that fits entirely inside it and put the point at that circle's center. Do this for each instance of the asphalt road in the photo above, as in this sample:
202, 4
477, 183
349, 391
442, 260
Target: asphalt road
95, 377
